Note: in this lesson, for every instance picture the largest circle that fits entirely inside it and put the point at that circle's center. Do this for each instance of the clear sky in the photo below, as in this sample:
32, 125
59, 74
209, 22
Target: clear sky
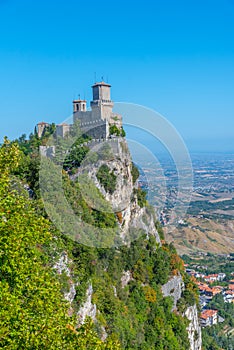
175, 56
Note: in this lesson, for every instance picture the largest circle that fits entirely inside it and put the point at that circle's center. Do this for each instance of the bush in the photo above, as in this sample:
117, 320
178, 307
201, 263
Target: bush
141, 197
135, 173
160, 230
114, 130
107, 178
76, 156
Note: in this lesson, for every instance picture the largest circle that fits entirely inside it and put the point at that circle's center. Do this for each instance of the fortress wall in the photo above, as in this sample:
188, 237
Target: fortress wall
96, 113
106, 111
96, 129
82, 116
114, 143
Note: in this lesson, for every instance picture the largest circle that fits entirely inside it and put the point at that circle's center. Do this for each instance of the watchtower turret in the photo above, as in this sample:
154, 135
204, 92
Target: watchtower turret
79, 106
101, 92
102, 104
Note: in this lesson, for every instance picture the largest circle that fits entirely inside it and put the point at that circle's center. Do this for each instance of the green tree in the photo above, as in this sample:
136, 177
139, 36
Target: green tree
107, 178
33, 313
135, 173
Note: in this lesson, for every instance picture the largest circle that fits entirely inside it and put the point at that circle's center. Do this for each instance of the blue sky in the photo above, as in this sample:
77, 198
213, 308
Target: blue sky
176, 57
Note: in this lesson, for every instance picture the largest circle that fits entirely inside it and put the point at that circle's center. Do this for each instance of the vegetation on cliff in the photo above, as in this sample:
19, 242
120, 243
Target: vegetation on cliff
107, 178
34, 314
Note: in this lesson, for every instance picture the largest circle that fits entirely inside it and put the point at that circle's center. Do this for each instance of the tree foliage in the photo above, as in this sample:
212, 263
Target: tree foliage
141, 196
33, 313
135, 173
114, 130
107, 178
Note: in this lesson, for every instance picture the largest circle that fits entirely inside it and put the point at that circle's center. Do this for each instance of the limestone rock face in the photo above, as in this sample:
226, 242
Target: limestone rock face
131, 218
119, 161
70, 295
194, 329
174, 288
87, 309
62, 265
123, 200
126, 278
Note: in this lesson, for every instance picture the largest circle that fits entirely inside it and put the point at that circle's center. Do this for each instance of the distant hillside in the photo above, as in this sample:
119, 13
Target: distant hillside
202, 233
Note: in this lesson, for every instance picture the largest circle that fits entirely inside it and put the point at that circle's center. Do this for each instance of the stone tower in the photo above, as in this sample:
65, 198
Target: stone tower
96, 122
102, 105
41, 127
79, 106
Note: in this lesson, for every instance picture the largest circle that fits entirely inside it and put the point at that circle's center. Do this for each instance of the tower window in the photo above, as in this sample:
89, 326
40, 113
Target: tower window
77, 107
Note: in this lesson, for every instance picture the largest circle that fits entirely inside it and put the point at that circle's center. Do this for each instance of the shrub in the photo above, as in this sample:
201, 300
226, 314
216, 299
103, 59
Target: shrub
135, 173
141, 197
160, 230
107, 178
114, 130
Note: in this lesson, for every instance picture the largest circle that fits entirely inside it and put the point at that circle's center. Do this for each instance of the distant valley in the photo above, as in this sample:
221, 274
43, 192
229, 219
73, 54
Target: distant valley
209, 222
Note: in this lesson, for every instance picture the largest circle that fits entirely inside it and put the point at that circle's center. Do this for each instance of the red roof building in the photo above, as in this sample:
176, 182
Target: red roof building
209, 318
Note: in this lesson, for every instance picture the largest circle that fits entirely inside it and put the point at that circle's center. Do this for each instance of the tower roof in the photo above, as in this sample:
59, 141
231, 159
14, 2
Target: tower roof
101, 83
42, 123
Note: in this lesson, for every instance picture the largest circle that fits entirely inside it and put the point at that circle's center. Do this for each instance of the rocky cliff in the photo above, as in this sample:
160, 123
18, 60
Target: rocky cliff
174, 288
123, 199
194, 328
127, 286
138, 265
134, 220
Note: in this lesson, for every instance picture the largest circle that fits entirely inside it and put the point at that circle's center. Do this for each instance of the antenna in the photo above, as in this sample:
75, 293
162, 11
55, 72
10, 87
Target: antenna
102, 78
79, 96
